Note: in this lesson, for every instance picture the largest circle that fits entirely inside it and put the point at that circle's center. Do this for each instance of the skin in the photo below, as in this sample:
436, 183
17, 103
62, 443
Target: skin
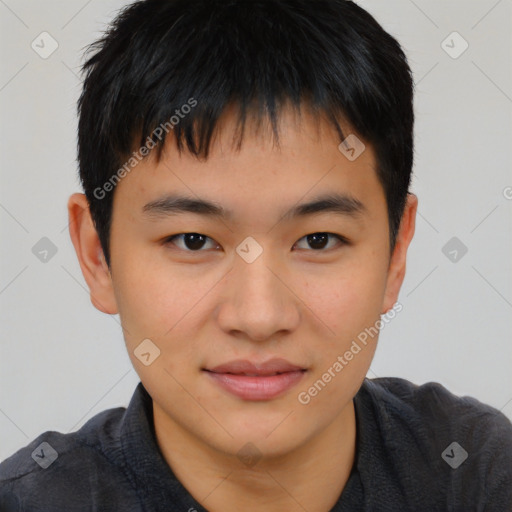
210, 307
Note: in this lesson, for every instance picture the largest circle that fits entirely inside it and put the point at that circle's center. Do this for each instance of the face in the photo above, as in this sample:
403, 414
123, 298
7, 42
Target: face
251, 300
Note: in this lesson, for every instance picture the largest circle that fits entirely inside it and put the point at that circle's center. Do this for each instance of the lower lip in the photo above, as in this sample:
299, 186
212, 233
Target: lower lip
257, 388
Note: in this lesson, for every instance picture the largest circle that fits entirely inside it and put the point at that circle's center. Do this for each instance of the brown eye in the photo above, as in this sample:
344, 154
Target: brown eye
320, 241
192, 242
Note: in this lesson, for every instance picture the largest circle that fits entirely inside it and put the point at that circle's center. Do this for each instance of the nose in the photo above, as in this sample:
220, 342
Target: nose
258, 302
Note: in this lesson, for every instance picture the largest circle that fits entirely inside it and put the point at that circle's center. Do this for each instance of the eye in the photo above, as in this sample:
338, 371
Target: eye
191, 242
319, 241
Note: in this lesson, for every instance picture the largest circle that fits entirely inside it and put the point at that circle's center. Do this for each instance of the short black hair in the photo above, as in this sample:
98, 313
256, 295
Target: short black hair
159, 56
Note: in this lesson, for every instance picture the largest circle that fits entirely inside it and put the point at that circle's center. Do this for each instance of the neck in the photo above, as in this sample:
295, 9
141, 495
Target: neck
311, 477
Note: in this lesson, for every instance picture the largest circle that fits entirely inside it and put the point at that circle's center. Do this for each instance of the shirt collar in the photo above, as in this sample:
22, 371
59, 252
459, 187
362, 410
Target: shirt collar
146, 467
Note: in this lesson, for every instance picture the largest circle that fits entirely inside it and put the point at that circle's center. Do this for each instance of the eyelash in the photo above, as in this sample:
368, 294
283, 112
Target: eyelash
341, 239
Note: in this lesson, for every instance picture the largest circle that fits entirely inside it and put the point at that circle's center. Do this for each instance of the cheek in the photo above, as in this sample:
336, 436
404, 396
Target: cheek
158, 307
159, 301
149, 298
347, 299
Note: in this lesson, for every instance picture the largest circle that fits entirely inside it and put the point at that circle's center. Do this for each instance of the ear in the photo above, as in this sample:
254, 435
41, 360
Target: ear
90, 254
396, 271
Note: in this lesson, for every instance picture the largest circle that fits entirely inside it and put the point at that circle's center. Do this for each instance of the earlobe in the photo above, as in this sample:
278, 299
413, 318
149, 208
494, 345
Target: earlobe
396, 272
90, 254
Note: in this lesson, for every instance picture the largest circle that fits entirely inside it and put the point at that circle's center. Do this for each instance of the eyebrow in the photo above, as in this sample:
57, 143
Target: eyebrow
342, 204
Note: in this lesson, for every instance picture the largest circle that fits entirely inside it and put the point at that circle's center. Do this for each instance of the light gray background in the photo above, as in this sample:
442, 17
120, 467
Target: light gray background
62, 361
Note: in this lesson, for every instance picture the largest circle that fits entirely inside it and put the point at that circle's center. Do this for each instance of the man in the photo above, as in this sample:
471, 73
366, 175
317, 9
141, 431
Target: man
246, 168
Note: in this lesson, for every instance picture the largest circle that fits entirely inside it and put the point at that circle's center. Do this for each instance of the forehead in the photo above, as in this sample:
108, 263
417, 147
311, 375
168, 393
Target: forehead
264, 172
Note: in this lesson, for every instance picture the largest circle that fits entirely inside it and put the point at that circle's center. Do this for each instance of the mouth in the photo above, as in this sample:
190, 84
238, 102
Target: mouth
256, 381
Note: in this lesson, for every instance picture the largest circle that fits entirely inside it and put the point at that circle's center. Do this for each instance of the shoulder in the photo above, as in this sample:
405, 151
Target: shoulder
404, 401
73, 465
93, 441
457, 439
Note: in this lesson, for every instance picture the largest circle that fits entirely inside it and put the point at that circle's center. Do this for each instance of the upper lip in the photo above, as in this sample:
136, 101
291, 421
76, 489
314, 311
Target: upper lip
245, 367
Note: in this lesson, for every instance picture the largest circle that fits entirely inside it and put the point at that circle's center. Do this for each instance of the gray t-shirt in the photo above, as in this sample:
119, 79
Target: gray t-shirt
419, 448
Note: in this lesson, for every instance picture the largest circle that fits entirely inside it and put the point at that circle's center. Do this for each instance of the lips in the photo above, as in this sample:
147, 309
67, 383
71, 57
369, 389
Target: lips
244, 367
256, 381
